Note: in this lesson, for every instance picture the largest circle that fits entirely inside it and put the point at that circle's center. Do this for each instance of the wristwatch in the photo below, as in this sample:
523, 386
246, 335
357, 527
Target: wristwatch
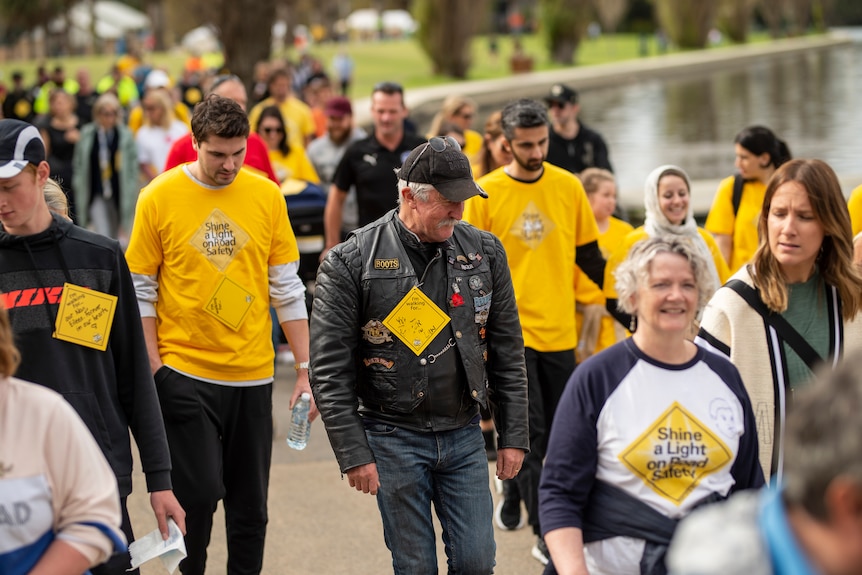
300, 365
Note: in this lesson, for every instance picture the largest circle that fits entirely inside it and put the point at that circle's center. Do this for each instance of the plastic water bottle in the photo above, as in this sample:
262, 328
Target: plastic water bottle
300, 427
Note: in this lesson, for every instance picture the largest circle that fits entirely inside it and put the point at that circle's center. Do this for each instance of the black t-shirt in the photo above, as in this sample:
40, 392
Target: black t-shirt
19, 105
586, 150
371, 168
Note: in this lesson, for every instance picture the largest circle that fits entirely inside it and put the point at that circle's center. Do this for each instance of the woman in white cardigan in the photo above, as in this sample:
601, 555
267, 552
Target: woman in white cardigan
794, 306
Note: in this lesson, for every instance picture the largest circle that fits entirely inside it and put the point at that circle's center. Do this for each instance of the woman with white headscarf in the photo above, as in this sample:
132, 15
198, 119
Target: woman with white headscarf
667, 195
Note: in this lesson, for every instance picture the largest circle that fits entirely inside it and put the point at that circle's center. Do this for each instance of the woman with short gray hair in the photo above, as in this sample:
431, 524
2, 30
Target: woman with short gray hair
647, 429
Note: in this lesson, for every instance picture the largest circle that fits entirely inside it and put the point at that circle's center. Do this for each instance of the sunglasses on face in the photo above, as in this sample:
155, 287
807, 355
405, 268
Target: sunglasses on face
553, 105
269, 130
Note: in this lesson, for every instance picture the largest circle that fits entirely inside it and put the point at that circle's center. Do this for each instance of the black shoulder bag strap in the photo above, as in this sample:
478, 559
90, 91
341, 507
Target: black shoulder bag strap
738, 184
786, 331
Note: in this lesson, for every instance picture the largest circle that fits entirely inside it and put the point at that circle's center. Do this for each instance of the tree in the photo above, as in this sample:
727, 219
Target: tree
21, 16
800, 15
687, 22
245, 29
610, 13
772, 12
735, 18
155, 9
446, 28
565, 22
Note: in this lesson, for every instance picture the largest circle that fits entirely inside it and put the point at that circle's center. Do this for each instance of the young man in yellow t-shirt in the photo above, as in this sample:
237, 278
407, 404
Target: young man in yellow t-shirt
543, 218
211, 250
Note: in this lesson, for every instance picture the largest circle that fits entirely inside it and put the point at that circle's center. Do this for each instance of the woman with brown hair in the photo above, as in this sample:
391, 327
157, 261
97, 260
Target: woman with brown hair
492, 154
291, 163
53, 469
795, 305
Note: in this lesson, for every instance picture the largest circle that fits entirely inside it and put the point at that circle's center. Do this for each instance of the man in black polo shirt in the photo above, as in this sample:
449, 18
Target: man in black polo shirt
370, 163
572, 146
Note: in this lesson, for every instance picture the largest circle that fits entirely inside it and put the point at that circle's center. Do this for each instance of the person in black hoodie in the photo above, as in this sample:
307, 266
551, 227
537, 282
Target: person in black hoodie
43, 257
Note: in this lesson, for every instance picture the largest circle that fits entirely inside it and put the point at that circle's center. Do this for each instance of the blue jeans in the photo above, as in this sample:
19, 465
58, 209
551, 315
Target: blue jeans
448, 469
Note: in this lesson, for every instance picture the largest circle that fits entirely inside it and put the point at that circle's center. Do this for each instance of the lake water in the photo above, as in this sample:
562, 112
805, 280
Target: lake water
810, 100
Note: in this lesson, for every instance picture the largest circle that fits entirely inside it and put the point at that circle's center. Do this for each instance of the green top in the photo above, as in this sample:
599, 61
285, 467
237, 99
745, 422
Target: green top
808, 314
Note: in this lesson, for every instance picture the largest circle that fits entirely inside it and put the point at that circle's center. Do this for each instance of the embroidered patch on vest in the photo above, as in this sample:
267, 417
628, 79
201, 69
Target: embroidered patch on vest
390, 264
387, 363
375, 332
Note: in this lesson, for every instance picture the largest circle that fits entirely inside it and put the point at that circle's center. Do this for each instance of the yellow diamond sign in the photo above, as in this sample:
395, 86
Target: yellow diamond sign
675, 453
219, 239
416, 320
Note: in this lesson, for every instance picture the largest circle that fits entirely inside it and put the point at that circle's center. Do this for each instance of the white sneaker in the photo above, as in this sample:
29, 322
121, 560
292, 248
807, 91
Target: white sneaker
510, 522
540, 551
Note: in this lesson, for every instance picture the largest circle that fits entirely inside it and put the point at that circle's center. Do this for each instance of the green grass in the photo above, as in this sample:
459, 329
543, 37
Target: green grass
401, 60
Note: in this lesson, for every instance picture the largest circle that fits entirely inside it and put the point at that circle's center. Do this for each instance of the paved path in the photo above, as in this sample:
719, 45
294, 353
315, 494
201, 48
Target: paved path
318, 525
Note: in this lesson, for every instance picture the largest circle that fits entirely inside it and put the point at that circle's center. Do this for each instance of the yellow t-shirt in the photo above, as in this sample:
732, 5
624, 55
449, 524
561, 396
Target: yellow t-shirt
854, 205
295, 165
743, 226
298, 119
540, 224
620, 253
472, 144
587, 292
211, 249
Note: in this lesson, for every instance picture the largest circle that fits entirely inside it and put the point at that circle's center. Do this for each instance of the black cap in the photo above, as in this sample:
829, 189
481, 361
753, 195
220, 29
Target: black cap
448, 169
20, 144
562, 93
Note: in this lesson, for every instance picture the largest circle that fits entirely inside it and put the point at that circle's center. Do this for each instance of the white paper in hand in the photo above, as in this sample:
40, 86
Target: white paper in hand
150, 546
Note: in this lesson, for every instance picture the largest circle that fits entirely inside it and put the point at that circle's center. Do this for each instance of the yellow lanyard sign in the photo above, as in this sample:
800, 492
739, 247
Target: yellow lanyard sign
85, 317
416, 320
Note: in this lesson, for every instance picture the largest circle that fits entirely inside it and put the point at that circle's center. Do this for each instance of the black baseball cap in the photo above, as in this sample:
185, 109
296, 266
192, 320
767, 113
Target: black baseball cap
20, 144
441, 163
562, 93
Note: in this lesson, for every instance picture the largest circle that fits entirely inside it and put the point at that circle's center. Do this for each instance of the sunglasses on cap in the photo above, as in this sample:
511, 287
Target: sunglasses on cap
437, 144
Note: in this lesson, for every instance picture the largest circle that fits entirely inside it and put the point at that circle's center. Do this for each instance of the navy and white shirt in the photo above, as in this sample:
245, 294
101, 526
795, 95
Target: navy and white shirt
668, 435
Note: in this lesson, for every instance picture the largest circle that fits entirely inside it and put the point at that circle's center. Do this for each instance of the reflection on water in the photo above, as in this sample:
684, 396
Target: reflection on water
810, 101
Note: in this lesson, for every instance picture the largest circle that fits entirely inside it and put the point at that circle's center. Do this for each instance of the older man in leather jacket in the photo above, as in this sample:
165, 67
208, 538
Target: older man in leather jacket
414, 327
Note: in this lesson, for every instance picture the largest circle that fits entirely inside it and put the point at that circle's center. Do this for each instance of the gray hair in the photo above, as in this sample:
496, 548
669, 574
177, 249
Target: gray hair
422, 192
635, 269
523, 113
106, 101
823, 439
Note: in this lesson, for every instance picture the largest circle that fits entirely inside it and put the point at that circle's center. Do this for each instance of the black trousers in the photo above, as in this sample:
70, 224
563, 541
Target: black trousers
220, 439
547, 375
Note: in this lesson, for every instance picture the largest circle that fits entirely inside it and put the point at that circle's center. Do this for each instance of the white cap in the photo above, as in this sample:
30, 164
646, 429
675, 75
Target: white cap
157, 79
